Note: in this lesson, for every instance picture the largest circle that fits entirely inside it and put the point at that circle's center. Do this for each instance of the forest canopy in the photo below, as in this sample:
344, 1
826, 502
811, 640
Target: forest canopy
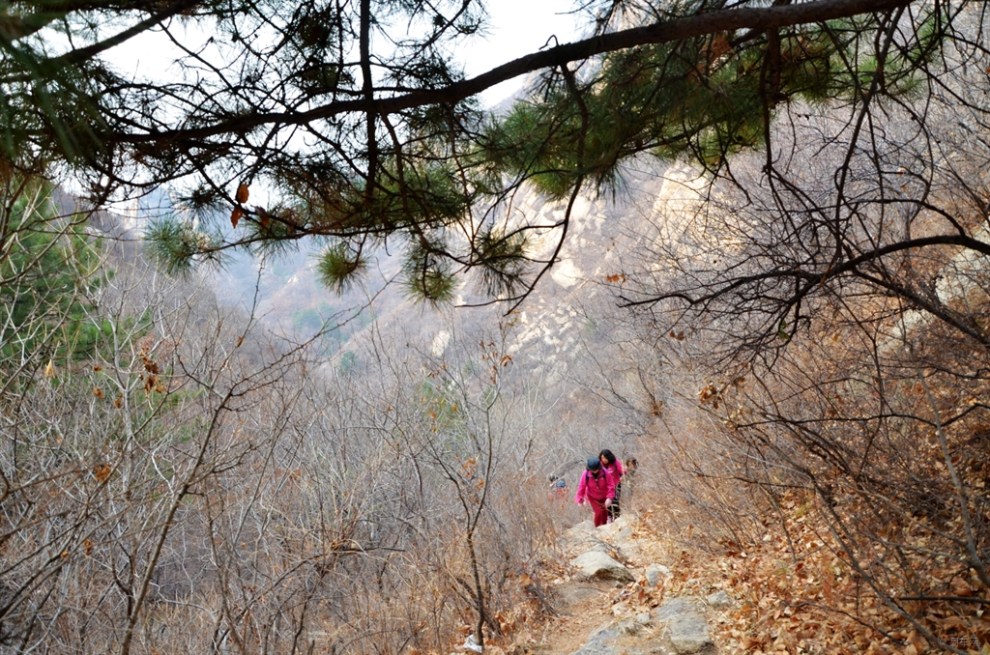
353, 124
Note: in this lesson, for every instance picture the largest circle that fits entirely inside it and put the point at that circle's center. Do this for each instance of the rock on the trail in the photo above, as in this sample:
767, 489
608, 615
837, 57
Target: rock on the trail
656, 572
584, 537
719, 600
614, 639
596, 565
686, 624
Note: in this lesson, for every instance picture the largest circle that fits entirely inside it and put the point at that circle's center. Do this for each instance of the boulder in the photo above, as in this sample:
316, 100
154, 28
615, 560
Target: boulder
656, 572
596, 565
686, 624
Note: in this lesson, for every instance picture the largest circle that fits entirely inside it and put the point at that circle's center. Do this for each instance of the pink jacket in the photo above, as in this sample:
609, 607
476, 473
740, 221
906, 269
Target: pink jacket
615, 470
592, 488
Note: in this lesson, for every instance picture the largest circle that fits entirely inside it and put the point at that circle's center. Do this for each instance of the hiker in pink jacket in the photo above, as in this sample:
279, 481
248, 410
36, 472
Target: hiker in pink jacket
597, 488
613, 467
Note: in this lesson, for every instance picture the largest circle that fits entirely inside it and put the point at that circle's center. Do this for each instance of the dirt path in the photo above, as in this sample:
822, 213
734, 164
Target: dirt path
582, 607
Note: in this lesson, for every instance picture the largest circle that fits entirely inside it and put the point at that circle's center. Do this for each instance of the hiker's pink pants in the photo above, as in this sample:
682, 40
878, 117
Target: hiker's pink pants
601, 513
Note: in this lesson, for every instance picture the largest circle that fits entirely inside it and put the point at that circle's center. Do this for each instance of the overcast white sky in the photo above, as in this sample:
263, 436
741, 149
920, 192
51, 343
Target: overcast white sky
519, 27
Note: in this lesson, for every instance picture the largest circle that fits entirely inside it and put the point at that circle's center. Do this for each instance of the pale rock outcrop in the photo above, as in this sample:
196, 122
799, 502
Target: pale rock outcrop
655, 573
686, 625
596, 565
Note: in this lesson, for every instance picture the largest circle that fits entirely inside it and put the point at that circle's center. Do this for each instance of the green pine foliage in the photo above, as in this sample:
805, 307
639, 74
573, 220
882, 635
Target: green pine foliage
427, 275
502, 271
390, 142
703, 99
50, 273
176, 244
338, 266
427, 196
535, 141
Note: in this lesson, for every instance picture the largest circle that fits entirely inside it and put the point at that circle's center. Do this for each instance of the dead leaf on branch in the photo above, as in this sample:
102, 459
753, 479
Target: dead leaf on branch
101, 472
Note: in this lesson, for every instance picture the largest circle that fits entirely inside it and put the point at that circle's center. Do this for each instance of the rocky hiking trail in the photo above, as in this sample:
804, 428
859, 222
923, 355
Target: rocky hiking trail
610, 598
654, 584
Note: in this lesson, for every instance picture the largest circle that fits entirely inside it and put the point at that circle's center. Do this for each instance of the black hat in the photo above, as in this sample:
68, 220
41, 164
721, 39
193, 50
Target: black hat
593, 464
